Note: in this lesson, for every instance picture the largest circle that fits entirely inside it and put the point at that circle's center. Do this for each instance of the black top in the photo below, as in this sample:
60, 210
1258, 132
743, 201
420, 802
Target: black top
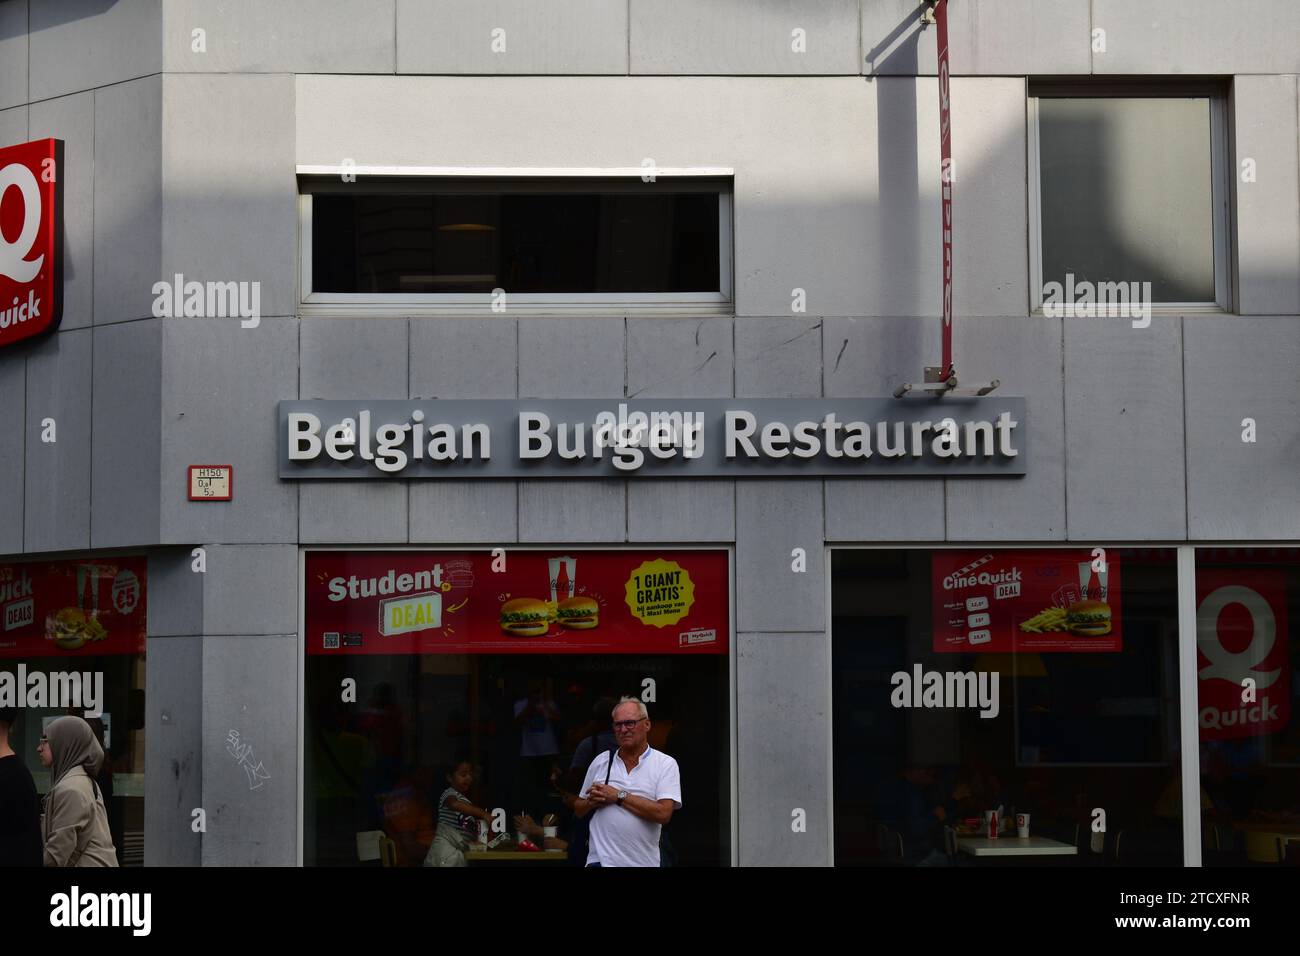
20, 816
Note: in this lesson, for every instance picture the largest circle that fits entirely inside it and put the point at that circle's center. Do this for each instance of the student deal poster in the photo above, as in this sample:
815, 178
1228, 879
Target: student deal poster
1039, 601
517, 602
1243, 655
71, 608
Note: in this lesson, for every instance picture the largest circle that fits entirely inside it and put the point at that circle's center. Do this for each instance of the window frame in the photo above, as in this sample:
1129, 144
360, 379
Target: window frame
1220, 187
329, 179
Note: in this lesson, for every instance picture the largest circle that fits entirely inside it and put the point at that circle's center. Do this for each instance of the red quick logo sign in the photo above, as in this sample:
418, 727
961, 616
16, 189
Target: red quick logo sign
1243, 660
31, 239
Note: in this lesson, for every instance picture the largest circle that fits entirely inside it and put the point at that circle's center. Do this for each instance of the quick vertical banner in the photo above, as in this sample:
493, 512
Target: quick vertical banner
31, 239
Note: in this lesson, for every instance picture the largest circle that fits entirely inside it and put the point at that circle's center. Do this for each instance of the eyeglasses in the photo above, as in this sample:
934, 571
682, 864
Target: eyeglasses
627, 724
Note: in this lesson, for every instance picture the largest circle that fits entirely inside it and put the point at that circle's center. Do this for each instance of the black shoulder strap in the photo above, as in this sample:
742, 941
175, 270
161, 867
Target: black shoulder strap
610, 766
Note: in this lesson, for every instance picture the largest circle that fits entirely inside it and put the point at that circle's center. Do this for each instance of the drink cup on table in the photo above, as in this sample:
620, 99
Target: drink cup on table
1022, 825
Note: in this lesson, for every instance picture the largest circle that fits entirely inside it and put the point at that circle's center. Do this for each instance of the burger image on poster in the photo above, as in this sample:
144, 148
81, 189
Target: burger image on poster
579, 613
1088, 618
525, 617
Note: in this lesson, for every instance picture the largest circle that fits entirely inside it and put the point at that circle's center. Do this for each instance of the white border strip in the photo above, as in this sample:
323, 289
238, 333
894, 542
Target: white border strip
1189, 732
502, 171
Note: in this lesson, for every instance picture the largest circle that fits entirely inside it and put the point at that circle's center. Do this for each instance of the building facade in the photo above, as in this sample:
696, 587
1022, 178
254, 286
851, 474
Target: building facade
207, 143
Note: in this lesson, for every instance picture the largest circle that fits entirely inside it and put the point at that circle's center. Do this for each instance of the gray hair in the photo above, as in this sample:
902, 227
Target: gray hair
645, 714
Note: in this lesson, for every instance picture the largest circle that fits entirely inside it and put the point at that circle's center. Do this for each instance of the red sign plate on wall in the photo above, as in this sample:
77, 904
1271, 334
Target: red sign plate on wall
617, 602
31, 239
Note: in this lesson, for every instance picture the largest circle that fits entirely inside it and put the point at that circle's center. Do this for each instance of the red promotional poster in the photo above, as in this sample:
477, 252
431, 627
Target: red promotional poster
73, 608
1033, 601
31, 239
1242, 658
517, 602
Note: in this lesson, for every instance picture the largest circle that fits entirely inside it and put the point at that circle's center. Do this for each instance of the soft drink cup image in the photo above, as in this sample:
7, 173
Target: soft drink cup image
1022, 825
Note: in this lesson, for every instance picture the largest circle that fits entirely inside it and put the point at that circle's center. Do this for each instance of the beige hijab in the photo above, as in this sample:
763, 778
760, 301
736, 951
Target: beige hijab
72, 745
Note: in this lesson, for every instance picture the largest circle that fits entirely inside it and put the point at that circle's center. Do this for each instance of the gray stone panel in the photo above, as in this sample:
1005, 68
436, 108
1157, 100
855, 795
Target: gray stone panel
1124, 454
464, 512
72, 119
778, 357
287, 36
571, 358
873, 356
1024, 353
221, 383
58, 472
126, 440
249, 686
680, 358
13, 395
13, 55
572, 510
1197, 36
1239, 368
464, 358
173, 781
175, 601
128, 199
783, 735
247, 585
13, 125
991, 37
354, 359
561, 36
80, 44
230, 212
743, 37
772, 519
1268, 208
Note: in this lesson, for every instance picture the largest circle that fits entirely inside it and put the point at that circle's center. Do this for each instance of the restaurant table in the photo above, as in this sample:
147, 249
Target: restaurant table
1262, 836
1014, 846
502, 856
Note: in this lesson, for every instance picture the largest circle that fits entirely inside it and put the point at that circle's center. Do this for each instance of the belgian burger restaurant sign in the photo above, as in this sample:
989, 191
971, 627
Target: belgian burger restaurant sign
652, 438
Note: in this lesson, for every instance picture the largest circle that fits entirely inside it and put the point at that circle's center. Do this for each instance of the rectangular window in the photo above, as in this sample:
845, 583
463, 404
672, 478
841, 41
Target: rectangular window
1248, 682
1041, 681
465, 243
507, 674
1129, 197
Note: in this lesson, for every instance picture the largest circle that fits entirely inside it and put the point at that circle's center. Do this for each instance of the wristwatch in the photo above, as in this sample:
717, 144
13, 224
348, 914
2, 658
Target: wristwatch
621, 795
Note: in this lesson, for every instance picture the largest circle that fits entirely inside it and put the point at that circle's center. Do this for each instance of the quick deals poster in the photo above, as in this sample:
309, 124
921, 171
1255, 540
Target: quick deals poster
517, 602
1033, 601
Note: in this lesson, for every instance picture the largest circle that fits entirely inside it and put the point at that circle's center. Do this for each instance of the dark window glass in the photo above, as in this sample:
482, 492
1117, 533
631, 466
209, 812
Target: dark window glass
544, 242
1248, 633
1085, 718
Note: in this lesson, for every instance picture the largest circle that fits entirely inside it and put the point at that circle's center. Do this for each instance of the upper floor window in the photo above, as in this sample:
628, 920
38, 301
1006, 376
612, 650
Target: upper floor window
1128, 195
463, 243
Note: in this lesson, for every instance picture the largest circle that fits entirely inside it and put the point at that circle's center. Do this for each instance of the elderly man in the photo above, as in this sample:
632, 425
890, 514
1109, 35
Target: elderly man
633, 797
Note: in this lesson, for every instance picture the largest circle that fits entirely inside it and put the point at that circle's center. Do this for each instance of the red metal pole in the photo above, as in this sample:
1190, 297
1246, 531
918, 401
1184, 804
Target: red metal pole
945, 172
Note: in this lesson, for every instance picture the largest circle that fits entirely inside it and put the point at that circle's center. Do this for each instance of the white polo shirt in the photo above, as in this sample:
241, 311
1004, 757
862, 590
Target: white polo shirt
618, 836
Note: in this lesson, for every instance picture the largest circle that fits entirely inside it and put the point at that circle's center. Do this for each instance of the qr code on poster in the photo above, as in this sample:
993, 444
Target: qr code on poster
331, 640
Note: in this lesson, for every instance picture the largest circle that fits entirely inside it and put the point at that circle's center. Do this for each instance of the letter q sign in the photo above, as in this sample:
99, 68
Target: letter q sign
31, 239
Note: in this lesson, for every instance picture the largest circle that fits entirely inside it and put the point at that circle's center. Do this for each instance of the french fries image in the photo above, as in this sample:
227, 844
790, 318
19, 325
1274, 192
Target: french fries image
1048, 619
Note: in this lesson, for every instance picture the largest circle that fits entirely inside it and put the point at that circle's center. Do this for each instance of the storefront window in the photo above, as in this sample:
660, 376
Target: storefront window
1248, 648
1043, 683
73, 642
506, 668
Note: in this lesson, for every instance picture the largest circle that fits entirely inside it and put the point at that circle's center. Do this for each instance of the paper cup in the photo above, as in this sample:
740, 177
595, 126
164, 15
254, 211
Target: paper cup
1022, 825
549, 832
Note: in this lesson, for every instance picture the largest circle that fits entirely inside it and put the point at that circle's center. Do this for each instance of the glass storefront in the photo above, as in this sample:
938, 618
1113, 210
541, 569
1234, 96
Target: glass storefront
1248, 648
1039, 682
73, 641
506, 668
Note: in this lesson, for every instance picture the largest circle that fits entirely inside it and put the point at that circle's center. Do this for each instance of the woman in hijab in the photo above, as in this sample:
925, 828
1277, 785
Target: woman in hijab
75, 824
